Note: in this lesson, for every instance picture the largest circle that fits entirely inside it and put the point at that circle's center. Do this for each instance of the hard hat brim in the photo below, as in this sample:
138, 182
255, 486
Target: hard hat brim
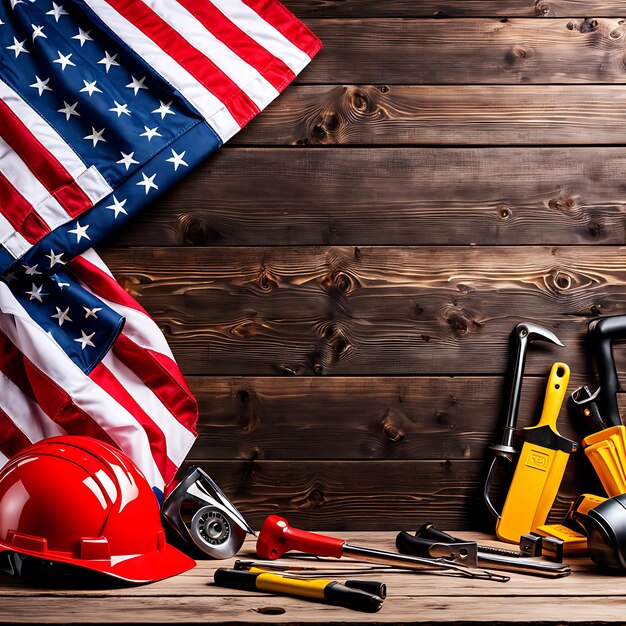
137, 569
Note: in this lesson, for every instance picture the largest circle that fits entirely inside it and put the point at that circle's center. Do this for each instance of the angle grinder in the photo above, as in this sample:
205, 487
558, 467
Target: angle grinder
201, 519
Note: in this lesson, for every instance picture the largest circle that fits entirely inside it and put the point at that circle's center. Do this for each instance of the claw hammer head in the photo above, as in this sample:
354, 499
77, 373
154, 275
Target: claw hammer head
529, 332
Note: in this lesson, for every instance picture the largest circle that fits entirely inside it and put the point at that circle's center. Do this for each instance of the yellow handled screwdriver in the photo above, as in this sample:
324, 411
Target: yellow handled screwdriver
328, 591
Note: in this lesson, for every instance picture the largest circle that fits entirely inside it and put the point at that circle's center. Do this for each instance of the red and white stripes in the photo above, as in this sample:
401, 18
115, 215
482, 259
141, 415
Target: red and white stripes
228, 58
43, 182
135, 398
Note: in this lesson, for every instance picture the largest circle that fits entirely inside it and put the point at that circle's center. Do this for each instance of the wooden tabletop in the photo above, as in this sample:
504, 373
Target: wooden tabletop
585, 596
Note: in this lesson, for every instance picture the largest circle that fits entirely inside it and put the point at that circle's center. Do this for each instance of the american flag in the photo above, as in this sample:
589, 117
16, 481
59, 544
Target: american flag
104, 104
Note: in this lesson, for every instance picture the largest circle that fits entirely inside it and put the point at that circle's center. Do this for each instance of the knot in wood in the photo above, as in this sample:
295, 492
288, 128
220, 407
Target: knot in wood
319, 133
393, 432
265, 280
343, 282
316, 495
458, 324
340, 345
561, 280
196, 230
504, 213
245, 330
326, 125
564, 203
248, 419
587, 25
362, 101
595, 229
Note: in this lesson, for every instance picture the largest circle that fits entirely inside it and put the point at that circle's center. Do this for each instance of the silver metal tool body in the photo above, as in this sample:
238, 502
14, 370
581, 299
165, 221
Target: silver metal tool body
522, 565
203, 517
404, 561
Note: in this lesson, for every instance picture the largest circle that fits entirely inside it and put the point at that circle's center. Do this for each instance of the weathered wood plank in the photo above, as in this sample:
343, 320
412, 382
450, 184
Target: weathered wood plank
269, 609
396, 196
369, 495
468, 51
443, 115
369, 311
359, 417
353, 495
454, 8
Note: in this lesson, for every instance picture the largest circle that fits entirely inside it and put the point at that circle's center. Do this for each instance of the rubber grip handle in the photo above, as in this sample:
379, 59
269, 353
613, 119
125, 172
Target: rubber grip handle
277, 537
602, 332
415, 546
555, 394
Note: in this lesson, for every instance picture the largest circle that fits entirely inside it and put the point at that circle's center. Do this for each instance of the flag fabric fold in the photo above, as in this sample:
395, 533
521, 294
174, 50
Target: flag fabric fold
105, 104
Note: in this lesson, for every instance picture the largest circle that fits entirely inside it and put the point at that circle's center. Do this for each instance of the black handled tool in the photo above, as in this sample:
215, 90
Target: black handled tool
465, 552
497, 559
521, 337
600, 409
430, 532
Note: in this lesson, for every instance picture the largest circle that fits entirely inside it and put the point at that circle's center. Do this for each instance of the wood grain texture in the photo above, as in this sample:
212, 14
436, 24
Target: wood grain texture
268, 609
395, 196
369, 311
354, 495
468, 51
366, 495
454, 8
354, 418
442, 115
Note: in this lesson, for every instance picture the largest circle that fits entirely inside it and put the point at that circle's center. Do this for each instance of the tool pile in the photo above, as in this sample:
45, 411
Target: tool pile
594, 525
201, 522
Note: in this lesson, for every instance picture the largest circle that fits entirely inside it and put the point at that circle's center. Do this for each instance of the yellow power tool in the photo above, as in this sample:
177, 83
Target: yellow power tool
540, 467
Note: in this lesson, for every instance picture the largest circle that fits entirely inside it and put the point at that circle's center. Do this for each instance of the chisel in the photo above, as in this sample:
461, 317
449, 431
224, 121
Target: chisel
540, 467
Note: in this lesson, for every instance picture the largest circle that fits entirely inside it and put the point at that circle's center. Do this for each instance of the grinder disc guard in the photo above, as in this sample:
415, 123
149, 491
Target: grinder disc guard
203, 518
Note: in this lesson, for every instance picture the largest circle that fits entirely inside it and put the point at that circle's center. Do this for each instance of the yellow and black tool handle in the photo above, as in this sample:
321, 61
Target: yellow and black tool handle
540, 468
329, 591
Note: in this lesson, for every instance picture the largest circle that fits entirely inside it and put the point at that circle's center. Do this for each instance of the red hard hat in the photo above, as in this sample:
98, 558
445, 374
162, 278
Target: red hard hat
77, 500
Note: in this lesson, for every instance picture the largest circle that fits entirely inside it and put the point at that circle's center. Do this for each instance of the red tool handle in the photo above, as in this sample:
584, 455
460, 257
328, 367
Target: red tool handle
277, 537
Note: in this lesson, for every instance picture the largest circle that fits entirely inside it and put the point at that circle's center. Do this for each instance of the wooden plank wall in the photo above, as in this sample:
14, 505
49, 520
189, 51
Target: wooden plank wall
339, 282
